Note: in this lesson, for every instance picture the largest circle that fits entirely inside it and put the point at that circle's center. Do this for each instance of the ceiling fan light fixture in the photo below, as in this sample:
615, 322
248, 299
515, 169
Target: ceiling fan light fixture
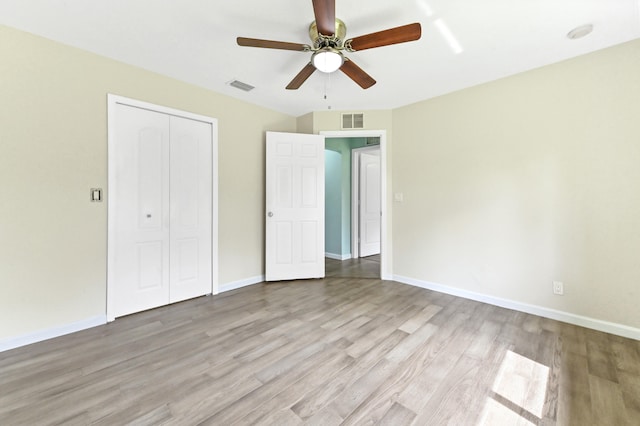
327, 60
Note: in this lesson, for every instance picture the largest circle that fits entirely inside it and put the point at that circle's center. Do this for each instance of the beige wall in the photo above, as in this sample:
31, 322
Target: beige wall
533, 178
305, 124
53, 148
373, 120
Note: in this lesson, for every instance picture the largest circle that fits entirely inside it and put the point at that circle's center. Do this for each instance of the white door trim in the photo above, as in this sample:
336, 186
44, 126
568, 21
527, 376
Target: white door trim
112, 102
355, 189
386, 270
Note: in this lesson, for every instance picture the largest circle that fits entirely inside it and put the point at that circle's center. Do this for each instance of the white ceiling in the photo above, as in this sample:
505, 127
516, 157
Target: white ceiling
194, 41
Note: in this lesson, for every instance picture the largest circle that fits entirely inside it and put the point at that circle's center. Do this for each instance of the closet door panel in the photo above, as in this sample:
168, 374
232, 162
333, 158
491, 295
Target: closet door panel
141, 234
191, 208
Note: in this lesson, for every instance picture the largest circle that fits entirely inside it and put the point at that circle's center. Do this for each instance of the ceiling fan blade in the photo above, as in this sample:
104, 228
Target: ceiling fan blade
301, 77
325, 13
356, 74
270, 44
395, 35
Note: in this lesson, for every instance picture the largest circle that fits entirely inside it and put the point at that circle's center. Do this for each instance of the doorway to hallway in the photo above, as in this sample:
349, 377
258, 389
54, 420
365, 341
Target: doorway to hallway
344, 223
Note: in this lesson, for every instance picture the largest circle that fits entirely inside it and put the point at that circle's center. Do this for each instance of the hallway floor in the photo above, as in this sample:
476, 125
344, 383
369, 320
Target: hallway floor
364, 267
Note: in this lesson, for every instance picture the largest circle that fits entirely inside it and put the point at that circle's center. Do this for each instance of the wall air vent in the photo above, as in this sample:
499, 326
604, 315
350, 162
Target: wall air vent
375, 140
353, 121
242, 86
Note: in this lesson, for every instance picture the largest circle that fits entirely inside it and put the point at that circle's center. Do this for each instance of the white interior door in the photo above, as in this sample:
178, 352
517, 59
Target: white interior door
294, 206
161, 234
369, 204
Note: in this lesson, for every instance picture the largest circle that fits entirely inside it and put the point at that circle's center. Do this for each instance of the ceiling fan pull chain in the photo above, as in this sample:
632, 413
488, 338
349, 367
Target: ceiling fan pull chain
327, 87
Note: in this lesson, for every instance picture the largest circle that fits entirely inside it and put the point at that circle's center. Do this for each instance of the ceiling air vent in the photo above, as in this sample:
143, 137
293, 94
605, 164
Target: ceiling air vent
353, 121
242, 86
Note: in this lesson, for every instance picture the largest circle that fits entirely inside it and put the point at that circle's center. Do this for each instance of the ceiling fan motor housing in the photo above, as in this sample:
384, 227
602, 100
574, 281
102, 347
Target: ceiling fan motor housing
335, 40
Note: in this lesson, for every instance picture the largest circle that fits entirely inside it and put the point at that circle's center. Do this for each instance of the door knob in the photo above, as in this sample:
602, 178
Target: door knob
270, 214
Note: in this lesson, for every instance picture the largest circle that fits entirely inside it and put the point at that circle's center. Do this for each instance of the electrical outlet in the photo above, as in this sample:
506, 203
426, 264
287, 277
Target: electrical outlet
558, 288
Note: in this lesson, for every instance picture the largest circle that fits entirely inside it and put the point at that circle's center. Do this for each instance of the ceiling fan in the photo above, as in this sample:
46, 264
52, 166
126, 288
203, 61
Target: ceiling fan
328, 36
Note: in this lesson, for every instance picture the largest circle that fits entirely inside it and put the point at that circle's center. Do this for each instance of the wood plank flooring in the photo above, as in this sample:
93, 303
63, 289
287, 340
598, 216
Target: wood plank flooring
364, 267
335, 351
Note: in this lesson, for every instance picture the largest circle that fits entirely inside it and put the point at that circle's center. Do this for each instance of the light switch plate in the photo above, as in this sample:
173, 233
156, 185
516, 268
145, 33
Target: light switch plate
96, 195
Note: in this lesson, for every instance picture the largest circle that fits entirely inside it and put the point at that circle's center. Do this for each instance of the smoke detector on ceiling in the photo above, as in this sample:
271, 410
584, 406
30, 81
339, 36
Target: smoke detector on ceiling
579, 32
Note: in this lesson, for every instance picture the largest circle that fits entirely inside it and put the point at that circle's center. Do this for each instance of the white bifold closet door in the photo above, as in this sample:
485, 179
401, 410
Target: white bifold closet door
163, 209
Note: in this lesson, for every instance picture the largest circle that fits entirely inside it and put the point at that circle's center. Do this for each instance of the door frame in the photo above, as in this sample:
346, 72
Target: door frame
111, 194
386, 271
355, 196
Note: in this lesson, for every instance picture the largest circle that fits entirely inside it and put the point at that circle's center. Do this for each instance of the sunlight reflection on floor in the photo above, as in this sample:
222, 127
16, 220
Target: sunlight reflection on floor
520, 389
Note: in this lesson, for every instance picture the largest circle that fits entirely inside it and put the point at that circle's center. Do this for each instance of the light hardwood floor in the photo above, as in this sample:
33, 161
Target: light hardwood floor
364, 267
325, 352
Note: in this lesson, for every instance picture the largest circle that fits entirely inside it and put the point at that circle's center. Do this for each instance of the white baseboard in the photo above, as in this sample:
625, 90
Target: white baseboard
39, 336
241, 283
338, 256
595, 324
